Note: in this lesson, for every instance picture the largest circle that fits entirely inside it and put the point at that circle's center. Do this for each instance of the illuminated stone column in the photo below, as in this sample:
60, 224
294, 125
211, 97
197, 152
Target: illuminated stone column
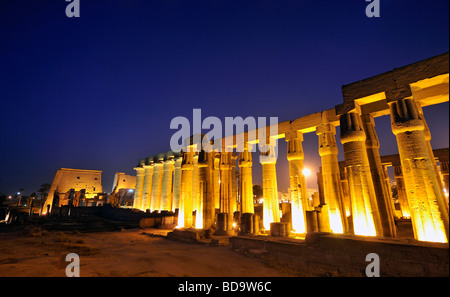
233, 185
429, 214
444, 170
166, 196
346, 194
155, 203
297, 181
185, 210
206, 188
387, 182
217, 181
177, 184
382, 191
246, 181
427, 133
331, 178
365, 214
140, 173
271, 210
148, 180
401, 192
226, 207
196, 201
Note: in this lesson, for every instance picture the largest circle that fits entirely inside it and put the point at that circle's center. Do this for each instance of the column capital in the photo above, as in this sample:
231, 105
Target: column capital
245, 159
351, 127
405, 116
268, 155
139, 170
327, 142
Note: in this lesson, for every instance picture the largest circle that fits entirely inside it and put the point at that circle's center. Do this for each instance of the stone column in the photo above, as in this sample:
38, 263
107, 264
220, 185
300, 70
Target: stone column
166, 196
345, 191
176, 184
382, 191
401, 191
206, 188
429, 213
185, 210
365, 214
271, 210
217, 181
246, 181
226, 207
233, 184
155, 203
148, 180
331, 178
444, 170
297, 181
140, 173
195, 194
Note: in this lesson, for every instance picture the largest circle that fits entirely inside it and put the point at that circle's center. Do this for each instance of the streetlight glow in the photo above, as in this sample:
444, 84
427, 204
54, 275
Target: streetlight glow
306, 172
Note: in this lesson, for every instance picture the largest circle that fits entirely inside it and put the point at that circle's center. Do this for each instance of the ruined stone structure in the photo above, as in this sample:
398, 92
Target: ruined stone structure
123, 187
355, 198
79, 186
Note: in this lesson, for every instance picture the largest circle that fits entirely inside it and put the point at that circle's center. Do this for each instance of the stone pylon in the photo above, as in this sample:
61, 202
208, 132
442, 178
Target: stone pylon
429, 214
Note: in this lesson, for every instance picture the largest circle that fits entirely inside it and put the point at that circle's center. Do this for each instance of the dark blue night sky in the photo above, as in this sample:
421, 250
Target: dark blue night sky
99, 91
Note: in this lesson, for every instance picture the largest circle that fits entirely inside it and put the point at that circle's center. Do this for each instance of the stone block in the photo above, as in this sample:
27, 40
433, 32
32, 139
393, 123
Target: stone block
279, 229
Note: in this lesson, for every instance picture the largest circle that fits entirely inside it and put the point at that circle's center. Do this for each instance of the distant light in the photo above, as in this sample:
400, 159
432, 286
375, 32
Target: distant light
306, 172
234, 225
9, 197
18, 193
130, 190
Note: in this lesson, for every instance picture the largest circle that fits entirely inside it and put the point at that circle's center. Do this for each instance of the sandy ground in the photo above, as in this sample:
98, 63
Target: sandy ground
122, 253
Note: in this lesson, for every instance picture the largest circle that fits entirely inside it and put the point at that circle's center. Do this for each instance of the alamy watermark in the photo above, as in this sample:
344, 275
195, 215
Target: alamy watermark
73, 8
373, 268
373, 8
73, 268
259, 130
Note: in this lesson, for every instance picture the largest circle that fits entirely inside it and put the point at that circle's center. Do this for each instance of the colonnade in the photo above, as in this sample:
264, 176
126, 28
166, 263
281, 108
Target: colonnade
356, 196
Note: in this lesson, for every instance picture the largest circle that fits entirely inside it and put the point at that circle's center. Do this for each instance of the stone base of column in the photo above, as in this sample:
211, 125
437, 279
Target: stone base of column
247, 220
222, 223
311, 221
279, 229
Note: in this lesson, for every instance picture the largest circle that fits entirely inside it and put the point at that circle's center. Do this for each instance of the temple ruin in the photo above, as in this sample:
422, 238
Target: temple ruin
355, 195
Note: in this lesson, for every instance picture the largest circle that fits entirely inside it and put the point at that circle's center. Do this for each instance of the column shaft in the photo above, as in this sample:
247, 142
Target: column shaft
166, 196
333, 194
382, 191
148, 180
140, 173
176, 184
185, 210
246, 182
297, 182
429, 213
155, 203
401, 192
271, 210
